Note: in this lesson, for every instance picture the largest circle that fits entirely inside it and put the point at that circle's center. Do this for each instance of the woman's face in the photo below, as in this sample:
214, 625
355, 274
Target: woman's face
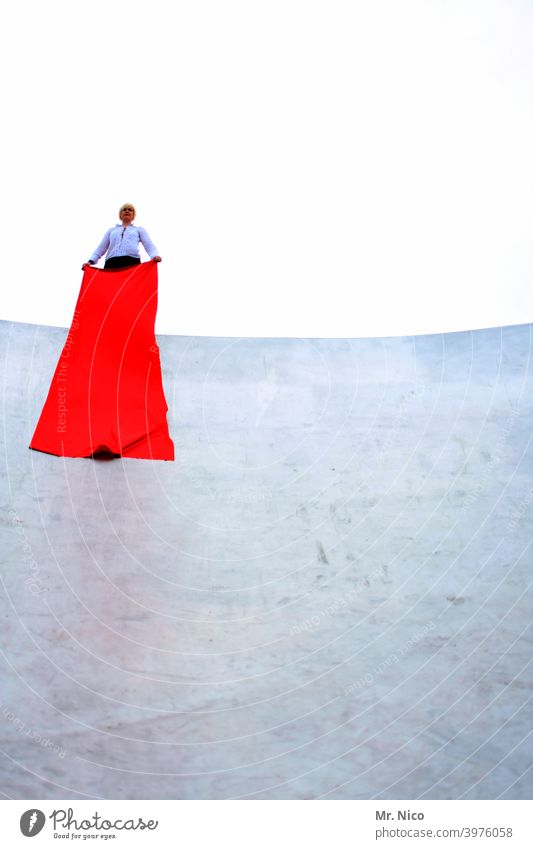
127, 214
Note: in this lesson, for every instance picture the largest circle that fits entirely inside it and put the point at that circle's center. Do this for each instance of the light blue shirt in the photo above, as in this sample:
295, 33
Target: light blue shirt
124, 241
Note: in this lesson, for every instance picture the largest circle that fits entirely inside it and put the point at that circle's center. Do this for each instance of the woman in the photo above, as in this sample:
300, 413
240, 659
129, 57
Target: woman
121, 243
106, 396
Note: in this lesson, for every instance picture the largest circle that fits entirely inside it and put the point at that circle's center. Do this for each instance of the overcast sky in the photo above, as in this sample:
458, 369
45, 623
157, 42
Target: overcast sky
304, 168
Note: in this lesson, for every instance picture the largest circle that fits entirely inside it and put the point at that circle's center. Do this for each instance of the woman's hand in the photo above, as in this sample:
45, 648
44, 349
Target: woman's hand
157, 259
85, 264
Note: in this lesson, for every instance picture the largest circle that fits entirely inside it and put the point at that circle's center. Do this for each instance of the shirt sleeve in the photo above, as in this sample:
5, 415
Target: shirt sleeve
102, 247
147, 243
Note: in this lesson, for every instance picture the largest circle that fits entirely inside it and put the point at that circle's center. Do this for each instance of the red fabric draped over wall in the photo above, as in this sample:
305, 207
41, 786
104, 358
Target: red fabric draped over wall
107, 393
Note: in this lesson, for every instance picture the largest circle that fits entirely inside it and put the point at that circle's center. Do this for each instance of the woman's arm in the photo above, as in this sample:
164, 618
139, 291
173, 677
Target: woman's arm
101, 249
148, 245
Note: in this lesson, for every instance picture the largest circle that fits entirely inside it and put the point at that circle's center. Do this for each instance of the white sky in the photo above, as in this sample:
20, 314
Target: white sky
316, 168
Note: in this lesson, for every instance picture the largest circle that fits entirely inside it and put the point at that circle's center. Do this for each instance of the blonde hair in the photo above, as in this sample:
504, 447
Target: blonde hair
124, 205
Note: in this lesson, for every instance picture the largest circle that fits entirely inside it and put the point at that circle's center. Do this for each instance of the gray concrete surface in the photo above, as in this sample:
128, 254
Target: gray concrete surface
327, 595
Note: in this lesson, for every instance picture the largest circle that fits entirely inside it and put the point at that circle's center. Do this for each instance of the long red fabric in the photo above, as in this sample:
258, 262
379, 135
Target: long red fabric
107, 392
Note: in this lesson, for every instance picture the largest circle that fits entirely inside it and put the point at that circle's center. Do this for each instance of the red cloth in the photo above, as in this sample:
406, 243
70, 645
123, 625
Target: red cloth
107, 392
